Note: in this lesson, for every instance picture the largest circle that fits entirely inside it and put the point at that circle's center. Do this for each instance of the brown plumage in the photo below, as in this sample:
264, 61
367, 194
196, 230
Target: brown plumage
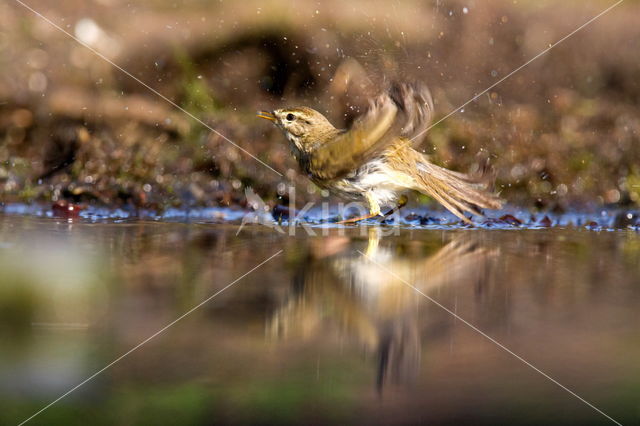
374, 160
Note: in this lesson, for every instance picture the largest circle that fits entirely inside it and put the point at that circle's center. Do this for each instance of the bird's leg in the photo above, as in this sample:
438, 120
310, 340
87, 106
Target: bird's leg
358, 219
374, 210
401, 203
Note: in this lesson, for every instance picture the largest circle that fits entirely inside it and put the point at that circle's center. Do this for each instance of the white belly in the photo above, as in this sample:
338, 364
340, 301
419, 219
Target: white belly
375, 177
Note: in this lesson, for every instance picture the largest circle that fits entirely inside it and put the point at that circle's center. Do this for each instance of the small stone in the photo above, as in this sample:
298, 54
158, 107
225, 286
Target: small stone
412, 217
546, 222
428, 220
65, 209
280, 212
625, 220
510, 220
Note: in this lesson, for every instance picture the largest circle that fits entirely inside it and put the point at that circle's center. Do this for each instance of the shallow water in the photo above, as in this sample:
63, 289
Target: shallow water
351, 326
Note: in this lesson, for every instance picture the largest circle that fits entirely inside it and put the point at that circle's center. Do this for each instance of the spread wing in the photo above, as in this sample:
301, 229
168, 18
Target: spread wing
346, 151
415, 102
403, 111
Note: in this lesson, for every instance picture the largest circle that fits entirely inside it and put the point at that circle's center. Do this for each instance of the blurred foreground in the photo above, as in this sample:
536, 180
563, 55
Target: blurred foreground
319, 333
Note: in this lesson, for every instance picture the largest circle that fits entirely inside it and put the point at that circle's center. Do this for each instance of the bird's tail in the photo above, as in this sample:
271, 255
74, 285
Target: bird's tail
458, 192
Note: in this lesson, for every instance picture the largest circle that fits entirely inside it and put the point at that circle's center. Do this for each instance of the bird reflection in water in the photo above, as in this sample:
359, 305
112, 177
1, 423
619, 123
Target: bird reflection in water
363, 289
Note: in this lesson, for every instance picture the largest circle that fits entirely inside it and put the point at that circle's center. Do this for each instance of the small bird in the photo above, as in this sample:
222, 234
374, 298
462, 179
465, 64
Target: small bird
374, 160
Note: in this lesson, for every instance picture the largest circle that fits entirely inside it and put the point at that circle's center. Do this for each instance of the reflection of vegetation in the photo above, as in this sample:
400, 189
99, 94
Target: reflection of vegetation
288, 398
631, 251
148, 405
18, 302
276, 400
186, 404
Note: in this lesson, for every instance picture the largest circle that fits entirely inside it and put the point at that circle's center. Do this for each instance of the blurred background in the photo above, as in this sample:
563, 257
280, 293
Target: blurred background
563, 132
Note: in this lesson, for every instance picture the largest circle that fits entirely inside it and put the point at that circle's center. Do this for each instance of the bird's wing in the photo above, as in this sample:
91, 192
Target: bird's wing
404, 110
348, 150
416, 104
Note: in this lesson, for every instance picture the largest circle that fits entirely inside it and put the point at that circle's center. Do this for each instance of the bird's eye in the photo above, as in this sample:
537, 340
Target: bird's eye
290, 117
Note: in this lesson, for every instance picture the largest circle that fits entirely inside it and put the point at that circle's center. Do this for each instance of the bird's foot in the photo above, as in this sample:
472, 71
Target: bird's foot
401, 203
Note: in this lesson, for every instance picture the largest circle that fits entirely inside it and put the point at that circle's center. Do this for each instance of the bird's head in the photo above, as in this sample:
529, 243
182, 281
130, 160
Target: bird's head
304, 127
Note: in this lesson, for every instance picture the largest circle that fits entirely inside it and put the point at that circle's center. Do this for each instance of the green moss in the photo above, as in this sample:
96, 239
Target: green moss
27, 193
580, 161
197, 95
632, 184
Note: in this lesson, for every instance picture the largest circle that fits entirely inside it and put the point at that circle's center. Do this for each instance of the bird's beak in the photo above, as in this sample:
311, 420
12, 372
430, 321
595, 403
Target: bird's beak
267, 116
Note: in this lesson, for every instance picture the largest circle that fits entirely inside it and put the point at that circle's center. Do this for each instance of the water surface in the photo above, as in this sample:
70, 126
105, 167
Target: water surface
351, 326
